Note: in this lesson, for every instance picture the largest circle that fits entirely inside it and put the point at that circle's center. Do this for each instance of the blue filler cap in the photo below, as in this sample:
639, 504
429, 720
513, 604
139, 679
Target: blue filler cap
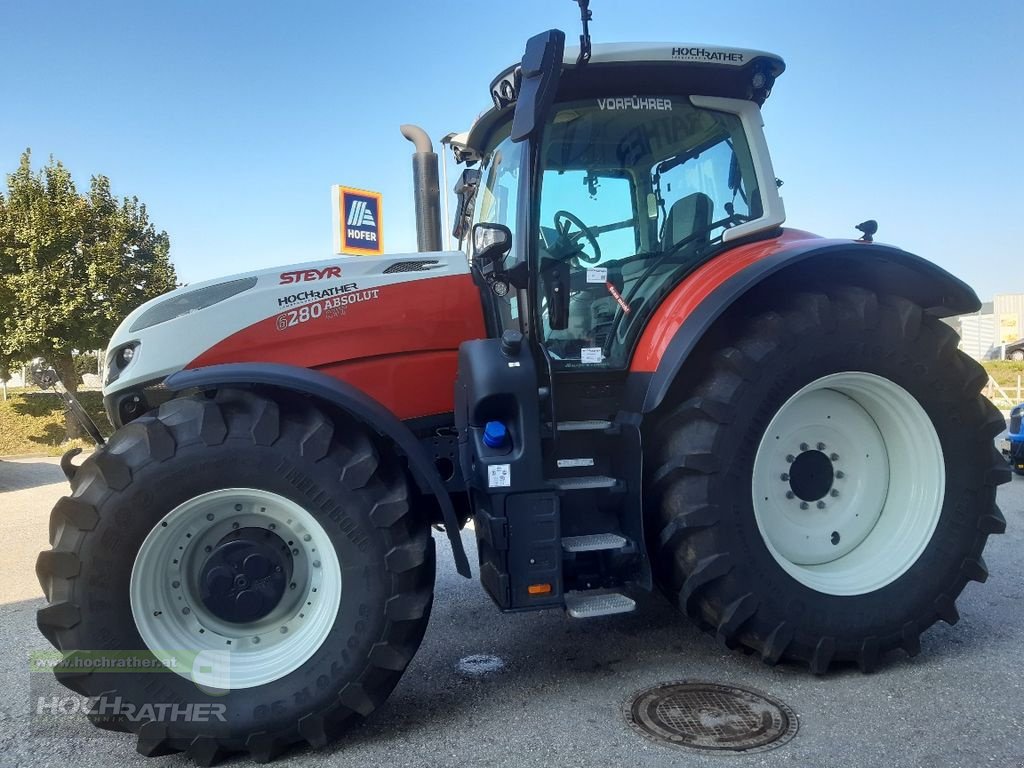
495, 434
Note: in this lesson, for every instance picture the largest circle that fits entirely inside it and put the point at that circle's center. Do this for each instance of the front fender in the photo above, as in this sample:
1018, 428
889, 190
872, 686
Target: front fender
694, 305
346, 397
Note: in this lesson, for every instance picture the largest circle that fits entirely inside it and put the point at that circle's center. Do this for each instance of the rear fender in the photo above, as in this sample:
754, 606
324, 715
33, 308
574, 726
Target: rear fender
347, 398
795, 259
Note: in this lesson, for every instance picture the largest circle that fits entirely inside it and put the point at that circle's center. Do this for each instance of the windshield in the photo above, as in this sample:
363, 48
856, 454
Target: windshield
635, 192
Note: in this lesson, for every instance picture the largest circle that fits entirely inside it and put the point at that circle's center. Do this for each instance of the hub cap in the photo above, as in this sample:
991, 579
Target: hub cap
247, 576
848, 483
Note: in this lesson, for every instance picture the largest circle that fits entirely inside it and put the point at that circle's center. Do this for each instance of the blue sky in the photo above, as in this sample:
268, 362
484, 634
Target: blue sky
232, 119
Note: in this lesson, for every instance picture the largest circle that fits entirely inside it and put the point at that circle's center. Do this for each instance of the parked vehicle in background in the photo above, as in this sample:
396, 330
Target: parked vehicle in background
1013, 444
1014, 351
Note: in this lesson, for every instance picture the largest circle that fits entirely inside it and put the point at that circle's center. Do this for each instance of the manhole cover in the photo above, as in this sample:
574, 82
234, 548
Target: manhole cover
711, 717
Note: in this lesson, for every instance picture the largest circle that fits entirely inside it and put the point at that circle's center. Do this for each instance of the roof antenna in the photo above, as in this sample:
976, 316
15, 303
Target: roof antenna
586, 15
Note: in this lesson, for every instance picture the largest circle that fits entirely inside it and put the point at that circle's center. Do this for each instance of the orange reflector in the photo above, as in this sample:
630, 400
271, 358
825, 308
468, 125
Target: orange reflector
539, 589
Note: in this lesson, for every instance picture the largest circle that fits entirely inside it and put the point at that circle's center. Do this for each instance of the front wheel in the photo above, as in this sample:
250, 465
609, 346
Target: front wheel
827, 484
258, 562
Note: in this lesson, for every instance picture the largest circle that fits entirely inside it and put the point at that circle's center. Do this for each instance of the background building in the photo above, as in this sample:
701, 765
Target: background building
998, 322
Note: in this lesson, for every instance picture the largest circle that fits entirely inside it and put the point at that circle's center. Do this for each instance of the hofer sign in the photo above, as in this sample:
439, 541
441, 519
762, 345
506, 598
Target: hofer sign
358, 221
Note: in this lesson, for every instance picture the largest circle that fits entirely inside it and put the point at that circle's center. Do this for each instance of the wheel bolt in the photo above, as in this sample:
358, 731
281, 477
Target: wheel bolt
804, 446
284, 630
175, 584
255, 641
821, 505
209, 515
234, 526
208, 548
238, 507
307, 537
821, 446
295, 552
803, 505
834, 456
784, 477
790, 494
840, 474
834, 493
292, 585
186, 610
316, 563
277, 569
272, 527
790, 458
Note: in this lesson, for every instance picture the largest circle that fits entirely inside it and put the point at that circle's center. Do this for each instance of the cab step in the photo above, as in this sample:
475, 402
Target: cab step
591, 425
593, 542
587, 605
585, 483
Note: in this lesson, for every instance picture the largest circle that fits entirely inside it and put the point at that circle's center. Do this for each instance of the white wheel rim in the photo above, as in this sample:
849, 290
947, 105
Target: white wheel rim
173, 620
883, 486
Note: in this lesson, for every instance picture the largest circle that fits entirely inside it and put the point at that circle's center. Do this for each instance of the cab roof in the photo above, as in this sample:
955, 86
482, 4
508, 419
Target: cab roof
639, 69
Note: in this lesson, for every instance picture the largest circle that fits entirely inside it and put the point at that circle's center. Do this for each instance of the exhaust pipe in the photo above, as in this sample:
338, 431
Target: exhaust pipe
426, 189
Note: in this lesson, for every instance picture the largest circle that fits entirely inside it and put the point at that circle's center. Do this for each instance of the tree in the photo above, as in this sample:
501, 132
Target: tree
72, 266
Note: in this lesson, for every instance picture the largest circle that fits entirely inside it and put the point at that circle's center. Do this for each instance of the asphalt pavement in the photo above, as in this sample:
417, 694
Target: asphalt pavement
551, 690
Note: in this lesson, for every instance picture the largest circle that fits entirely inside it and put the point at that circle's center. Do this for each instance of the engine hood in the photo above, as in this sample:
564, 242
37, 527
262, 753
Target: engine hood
318, 314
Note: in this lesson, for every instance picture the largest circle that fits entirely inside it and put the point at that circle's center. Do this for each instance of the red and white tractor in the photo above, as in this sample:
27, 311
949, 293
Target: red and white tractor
631, 376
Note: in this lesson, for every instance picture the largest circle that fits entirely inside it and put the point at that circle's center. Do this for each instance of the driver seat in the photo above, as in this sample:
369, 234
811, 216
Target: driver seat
688, 215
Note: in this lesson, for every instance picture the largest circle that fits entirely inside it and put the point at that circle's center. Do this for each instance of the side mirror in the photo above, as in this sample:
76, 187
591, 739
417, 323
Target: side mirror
465, 190
42, 374
491, 244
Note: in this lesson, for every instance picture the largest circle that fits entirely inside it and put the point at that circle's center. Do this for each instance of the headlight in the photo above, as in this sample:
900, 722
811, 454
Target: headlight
117, 359
189, 302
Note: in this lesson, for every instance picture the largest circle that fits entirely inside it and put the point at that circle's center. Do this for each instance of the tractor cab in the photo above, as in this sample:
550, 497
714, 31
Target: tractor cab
593, 186
618, 192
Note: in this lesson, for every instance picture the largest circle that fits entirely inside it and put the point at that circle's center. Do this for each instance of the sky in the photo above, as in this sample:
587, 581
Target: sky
231, 120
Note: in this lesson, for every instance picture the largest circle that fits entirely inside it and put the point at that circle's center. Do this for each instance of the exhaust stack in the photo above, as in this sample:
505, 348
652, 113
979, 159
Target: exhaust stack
426, 189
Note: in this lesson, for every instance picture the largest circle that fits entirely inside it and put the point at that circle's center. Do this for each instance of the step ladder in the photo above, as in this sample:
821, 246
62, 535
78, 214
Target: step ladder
588, 605
593, 542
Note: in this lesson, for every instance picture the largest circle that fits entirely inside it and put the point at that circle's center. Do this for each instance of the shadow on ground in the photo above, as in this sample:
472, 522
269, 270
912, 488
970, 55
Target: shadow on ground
22, 474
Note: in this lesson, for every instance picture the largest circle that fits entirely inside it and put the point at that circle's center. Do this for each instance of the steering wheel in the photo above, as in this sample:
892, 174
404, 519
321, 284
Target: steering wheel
564, 222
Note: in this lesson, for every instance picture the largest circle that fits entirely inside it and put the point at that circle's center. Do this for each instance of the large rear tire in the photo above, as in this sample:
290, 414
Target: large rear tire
272, 497
825, 484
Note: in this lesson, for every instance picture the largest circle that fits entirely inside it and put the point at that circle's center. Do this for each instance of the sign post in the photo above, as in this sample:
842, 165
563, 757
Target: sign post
358, 221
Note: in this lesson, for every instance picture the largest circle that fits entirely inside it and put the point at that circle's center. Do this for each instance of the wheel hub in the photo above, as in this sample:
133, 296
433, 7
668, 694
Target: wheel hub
811, 475
246, 575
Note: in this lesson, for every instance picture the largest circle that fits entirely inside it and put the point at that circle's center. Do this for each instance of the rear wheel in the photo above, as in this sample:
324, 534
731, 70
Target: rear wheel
827, 485
266, 554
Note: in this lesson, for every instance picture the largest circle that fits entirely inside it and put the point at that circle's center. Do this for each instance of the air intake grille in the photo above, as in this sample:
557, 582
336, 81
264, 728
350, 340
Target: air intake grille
411, 266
